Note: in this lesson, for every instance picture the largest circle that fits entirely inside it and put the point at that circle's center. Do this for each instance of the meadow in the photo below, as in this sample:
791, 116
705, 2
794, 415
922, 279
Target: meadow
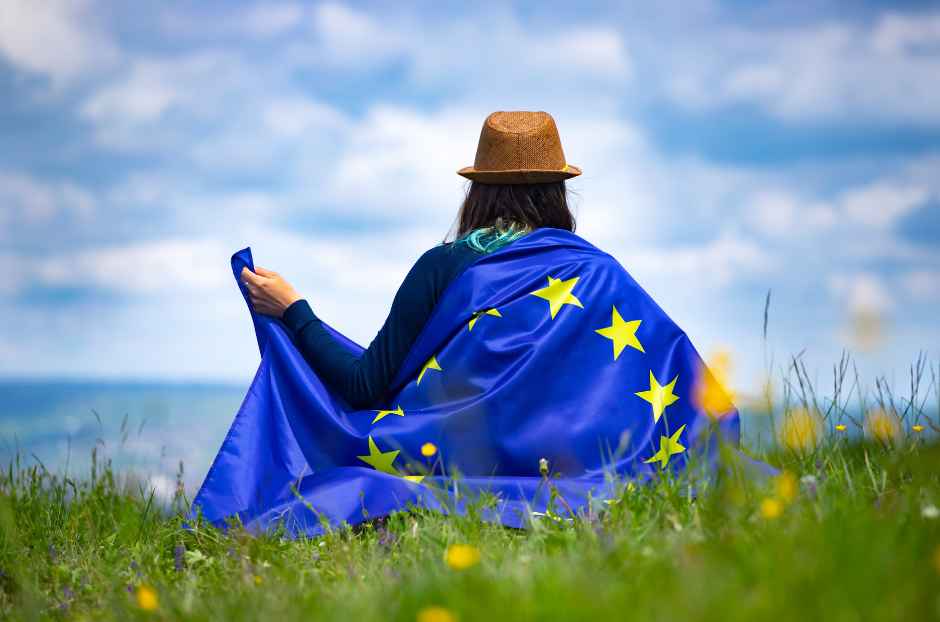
849, 531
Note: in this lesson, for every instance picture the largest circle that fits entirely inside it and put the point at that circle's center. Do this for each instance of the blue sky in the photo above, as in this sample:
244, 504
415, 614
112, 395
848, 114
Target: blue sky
727, 148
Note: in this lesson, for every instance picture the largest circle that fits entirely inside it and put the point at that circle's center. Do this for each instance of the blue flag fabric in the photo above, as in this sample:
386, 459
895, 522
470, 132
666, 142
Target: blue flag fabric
544, 349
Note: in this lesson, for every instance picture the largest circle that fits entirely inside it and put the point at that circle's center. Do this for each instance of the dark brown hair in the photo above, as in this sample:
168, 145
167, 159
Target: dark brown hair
531, 206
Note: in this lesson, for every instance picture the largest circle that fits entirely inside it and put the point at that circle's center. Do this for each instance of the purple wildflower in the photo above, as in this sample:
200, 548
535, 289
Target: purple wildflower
134, 565
69, 594
52, 553
387, 538
818, 464
178, 558
130, 588
3, 575
84, 581
812, 488
315, 557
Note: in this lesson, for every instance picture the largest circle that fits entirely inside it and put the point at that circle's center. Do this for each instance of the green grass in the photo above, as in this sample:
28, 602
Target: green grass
858, 540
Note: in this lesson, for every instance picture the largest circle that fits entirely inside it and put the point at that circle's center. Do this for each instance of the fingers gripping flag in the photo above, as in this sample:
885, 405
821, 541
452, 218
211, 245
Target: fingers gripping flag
544, 349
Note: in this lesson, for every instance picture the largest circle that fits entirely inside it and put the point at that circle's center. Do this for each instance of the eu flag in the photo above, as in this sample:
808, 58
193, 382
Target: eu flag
544, 349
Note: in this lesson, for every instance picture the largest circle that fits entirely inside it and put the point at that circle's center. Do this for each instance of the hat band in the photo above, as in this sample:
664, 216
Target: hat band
564, 170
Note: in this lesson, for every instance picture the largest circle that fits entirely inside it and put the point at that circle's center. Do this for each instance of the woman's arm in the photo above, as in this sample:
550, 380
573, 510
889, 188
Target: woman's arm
363, 381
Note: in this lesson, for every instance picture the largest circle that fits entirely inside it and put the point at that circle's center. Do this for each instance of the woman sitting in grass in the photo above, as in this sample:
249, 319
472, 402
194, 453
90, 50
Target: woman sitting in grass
514, 352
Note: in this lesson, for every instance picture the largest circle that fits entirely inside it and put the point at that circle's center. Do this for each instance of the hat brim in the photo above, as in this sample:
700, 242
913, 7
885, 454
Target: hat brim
518, 176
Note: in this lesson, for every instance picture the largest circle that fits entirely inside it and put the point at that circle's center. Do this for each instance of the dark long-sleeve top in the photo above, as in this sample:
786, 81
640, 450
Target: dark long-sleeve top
363, 381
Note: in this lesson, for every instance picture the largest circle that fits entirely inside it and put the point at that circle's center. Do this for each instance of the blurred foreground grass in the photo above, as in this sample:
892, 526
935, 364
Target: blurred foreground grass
851, 531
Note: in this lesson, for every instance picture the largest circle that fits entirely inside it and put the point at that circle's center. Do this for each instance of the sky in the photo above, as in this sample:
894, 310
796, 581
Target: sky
728, 148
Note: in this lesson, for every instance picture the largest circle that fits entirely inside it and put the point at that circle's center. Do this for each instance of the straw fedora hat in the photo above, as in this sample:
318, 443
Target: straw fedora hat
519, 148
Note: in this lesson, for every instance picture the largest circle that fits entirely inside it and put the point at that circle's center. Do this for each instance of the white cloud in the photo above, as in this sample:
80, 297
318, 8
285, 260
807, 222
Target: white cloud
401, 160
514, 56
54, 38
882, 203
27, 203
598, 51
148, 92
291, 118
868, 292
780, 215
174, 266
822, 71
227, 112
897, 33
23, 196
715, 264
595, 52
922, 285
159, 102
510, 53
269, 19
195, 266
352, 38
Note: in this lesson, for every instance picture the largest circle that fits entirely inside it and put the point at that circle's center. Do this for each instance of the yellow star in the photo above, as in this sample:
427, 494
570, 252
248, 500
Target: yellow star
432, 364
477, 314
622, 333
558, 293
382, 413
667, 447
380, 461
659, 396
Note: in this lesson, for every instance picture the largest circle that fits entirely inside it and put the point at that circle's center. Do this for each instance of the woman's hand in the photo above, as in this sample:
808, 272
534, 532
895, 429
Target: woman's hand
269, 293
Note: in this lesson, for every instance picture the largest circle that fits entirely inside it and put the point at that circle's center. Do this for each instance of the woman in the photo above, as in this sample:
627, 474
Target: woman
517, 186
547, 357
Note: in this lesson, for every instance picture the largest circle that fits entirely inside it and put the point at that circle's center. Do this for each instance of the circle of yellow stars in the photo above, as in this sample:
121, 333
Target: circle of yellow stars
621, 333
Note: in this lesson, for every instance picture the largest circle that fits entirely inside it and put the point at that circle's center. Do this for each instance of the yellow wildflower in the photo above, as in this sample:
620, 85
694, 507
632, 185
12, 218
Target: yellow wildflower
771, 509
428, 449
840, 428
884, 424
802, 428
433, 613
461, 556
146, 598
786, 487
918, 428
258, 580
712, 384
